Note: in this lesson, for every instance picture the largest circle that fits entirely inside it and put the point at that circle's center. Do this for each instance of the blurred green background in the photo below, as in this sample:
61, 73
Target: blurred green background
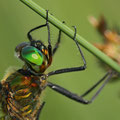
16, 20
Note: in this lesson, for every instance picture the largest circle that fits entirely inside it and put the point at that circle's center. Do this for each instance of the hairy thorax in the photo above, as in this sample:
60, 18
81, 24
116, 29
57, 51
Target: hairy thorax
21, 96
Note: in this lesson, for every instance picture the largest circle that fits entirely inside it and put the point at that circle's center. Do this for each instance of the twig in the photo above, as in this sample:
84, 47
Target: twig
70, 33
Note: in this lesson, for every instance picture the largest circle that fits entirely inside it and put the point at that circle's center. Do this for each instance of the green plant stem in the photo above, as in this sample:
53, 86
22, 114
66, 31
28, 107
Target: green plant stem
70, 33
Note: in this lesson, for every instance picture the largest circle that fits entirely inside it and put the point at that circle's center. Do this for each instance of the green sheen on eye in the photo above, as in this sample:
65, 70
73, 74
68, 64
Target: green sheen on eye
32, 55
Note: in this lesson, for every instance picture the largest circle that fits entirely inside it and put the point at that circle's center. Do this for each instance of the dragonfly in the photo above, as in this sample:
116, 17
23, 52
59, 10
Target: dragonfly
21, 90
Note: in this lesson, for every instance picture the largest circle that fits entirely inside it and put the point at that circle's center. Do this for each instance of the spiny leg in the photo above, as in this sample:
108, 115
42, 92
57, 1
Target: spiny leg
95, 85
49, 41
57, 43
75, 97
73, 69
48, 27
29, 33
38, 27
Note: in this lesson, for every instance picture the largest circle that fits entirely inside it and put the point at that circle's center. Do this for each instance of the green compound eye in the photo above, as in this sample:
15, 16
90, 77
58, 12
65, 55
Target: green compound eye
32, 55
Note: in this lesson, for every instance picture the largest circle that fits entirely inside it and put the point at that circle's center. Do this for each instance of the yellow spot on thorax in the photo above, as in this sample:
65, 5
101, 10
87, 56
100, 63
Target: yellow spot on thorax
25, 108
22, 96
34, 56
26, 113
